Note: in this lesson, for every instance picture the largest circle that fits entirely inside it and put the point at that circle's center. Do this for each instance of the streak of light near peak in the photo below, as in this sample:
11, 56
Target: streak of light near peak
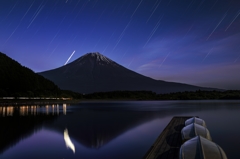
69, 57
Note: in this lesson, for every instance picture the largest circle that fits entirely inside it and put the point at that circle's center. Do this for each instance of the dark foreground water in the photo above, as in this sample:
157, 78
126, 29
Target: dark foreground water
108, 130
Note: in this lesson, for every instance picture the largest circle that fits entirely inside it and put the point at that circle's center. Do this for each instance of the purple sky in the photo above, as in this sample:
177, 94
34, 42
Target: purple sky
188, 41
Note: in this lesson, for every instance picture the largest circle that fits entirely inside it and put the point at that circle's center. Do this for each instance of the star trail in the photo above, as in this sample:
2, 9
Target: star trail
188, 41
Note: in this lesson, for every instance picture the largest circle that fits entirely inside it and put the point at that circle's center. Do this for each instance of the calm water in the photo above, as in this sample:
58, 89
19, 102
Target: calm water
108, 130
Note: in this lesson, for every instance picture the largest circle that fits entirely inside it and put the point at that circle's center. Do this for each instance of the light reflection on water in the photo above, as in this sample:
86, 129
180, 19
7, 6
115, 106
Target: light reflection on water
111, 129
53, 109
6, 111
68, 141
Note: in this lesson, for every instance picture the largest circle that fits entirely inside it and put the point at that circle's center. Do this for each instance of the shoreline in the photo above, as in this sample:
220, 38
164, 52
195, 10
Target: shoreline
39, 102
18, 102
35, 102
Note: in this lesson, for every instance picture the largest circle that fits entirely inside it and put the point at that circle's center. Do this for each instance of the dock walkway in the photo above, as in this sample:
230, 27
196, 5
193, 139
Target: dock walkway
169, 141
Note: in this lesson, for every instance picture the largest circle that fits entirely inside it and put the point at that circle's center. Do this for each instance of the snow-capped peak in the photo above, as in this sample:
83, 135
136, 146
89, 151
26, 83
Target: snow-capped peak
101, 59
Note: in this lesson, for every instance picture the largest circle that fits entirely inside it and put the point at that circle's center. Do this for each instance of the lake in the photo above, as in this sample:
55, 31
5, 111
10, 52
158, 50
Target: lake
108, 130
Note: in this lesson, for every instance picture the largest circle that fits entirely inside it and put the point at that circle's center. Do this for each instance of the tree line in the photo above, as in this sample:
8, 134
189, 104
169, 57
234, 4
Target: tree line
148, 95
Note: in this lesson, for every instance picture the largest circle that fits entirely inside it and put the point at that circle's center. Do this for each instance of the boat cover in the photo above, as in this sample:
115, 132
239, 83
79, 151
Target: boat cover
201, 148
195, 120
193, 130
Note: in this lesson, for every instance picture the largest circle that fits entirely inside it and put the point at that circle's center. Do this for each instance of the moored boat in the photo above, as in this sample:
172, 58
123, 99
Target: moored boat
192, 130
201, 148
196, 121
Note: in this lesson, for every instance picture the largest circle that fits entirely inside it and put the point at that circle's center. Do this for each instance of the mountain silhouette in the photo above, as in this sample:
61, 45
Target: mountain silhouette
17, 80
94, 72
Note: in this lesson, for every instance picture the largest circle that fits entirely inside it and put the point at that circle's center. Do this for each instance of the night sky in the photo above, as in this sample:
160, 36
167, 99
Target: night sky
188, 41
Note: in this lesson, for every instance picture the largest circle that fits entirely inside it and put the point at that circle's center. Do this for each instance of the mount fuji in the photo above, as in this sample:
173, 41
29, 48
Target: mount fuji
94, 72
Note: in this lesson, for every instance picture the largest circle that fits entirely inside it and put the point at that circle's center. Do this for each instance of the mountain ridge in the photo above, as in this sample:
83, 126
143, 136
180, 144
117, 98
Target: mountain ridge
94, 72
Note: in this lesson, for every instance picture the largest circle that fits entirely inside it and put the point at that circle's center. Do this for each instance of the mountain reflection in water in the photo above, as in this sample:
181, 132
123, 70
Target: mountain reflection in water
105, 129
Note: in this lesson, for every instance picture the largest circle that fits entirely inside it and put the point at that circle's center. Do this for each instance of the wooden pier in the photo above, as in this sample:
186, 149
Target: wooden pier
169, 141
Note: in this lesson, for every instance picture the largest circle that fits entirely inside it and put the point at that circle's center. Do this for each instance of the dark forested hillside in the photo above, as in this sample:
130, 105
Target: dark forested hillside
17, 80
